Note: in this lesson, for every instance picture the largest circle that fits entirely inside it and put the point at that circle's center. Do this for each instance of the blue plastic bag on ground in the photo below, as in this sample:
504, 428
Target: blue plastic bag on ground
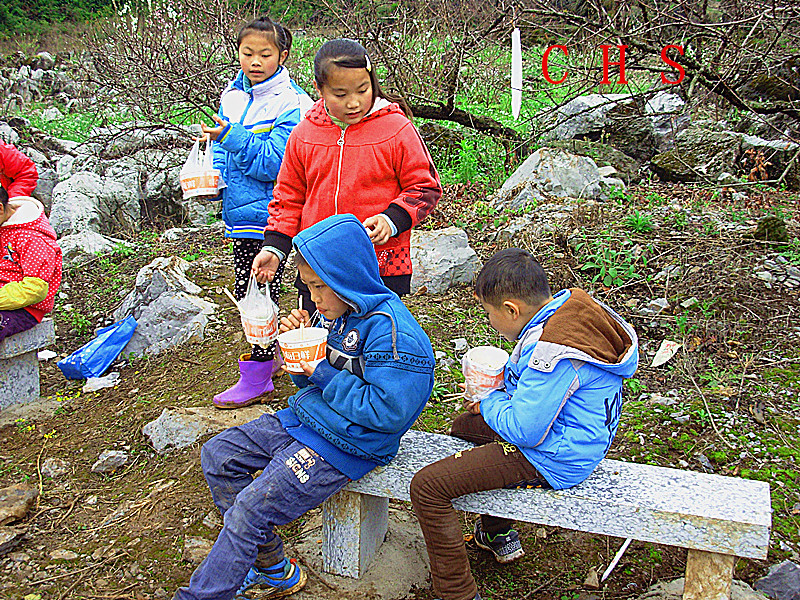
93, 358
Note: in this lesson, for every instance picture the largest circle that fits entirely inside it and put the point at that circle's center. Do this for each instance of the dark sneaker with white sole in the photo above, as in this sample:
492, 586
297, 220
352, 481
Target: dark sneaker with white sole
506, 547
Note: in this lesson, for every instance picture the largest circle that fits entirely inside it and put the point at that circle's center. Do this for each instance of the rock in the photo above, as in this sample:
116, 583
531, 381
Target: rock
195, 549
551, 172
109, 461
16, 501
782, 582
771, 229
64, 555
54, 467
669, 116
52, 114
618, 119
603, 155
79, 246
442, 259
7, 134
592, 580
44, 60
705, 154
164, 274
166, 307
673, 590
10, 538
176, 428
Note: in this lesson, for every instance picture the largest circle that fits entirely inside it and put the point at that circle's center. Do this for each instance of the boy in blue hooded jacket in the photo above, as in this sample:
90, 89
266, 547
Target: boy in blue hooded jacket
550, 425
346, 419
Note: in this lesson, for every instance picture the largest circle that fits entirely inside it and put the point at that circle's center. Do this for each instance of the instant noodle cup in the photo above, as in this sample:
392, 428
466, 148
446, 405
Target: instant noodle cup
308, 344
260, 328
483, 371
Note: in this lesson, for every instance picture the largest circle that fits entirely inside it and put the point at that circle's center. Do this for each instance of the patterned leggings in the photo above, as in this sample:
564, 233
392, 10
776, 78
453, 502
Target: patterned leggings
244, 251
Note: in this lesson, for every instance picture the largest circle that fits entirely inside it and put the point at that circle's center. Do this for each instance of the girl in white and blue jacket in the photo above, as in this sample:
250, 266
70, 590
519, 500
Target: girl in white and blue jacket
257, 113
549, 426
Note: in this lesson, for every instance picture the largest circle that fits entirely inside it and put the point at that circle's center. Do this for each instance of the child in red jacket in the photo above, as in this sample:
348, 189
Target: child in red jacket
355, 152
18, 174
30, 267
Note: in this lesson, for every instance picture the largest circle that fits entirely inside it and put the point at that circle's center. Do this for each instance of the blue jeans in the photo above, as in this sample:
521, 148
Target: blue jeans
294, 480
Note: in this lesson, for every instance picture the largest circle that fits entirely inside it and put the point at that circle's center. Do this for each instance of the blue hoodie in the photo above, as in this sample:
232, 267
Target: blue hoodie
563, 387
378, 374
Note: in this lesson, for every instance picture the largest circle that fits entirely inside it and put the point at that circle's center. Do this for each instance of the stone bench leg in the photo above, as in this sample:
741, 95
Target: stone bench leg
19, 379
353, 528
709, 576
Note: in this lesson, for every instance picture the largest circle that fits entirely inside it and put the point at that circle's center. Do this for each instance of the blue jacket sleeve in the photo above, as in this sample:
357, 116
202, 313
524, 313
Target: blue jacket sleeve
390, 394
259, 155
219, 153
525, 417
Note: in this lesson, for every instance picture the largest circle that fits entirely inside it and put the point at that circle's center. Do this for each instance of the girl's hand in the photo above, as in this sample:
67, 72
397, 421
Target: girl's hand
378, 229
213, 132
293, 320
265, 265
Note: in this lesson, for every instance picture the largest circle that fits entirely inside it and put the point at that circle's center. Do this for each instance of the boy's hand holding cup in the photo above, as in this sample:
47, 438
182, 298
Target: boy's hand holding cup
483, 372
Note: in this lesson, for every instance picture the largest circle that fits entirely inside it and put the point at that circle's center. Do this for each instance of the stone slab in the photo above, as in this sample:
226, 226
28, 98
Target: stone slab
36, 338
19, 364
712, 513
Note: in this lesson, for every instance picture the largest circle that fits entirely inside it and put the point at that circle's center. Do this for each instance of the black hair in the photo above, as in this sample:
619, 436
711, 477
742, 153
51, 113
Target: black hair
300, 260
512, 273
277, 33
349, 54
3, 196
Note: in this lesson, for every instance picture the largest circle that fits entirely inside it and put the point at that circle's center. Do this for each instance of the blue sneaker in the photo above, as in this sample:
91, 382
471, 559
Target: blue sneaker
506, 547
259, 584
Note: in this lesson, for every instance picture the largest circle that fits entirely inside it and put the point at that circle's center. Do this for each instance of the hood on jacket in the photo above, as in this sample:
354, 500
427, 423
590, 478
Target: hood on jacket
28, 211
576, 326
340, 252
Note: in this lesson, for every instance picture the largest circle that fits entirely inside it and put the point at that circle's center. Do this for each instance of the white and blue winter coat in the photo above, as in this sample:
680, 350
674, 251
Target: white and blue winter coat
378, 375
249, 151
563, 387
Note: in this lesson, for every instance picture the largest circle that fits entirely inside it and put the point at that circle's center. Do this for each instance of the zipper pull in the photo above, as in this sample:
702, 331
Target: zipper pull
341, 139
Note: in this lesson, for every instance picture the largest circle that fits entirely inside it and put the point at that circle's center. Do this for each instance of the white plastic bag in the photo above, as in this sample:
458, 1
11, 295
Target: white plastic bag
198, 175
259, 315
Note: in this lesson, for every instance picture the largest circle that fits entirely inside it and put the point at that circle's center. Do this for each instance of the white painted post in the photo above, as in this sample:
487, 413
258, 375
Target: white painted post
353, 528
709, 576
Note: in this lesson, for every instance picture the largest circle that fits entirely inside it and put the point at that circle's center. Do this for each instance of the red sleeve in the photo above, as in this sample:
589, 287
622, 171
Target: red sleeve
419, 181
19, 174
289, 194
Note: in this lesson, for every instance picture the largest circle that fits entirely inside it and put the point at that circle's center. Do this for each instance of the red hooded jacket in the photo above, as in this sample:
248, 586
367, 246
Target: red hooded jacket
29, 249
18, 174
378, 165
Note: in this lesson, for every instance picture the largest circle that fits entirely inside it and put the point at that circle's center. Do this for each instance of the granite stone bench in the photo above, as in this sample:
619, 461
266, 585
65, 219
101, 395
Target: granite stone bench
19, 363
717, 518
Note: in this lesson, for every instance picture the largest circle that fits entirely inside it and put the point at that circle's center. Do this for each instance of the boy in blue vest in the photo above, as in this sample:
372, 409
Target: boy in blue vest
346, 419
550, 425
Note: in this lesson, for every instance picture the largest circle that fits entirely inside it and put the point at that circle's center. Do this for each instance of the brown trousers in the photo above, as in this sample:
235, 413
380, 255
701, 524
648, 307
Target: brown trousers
492, 464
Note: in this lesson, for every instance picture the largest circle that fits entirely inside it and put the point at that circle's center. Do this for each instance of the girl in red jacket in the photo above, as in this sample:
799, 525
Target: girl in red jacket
30, 264
355, 152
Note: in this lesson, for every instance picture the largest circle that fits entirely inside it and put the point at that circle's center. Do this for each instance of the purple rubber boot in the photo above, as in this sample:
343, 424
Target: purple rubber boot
255, 379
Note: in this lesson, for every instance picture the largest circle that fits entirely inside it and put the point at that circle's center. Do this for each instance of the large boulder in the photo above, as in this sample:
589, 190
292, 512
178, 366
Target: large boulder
166, 307
441, 259
669, 116
88, 201
618, 120
553, 172
603, 155
705, 154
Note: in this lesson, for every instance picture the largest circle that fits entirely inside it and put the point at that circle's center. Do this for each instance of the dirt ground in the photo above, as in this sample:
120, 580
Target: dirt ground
122, 536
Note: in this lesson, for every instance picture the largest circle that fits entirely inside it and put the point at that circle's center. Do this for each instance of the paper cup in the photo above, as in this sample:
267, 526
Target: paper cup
483, 371
259, 329
308, 344
200, 183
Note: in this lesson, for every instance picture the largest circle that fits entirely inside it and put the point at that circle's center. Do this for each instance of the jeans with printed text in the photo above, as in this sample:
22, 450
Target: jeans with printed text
294, 480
